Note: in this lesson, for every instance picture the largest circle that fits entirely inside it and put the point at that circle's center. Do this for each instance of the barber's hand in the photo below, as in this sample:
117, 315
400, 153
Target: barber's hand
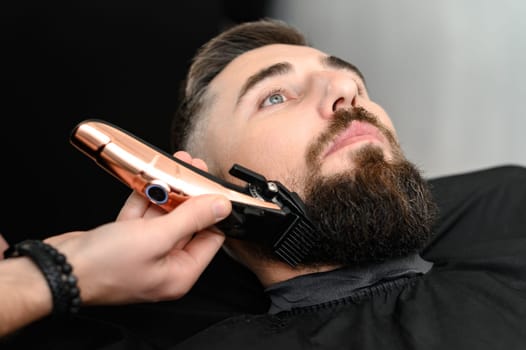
147, 254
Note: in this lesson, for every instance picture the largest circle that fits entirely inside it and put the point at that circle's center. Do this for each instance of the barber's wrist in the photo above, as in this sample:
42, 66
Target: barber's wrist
55, 269
30, 289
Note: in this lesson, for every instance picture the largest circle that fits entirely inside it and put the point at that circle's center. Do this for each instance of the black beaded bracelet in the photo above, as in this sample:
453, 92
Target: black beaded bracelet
57, 271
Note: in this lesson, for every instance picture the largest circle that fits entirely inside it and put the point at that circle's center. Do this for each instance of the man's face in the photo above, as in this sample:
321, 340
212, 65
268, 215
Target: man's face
271, 105
298, 116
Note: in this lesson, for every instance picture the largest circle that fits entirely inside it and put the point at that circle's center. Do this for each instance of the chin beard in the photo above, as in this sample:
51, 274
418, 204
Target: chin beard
378, 211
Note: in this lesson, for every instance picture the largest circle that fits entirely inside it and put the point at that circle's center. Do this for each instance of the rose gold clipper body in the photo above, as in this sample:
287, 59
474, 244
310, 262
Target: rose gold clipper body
263, 211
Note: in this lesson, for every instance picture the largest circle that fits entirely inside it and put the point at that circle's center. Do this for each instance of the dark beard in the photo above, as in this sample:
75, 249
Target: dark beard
373, 213
376, 211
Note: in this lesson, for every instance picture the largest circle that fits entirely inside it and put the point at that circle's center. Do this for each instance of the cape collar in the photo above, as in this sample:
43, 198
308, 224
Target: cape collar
318, 288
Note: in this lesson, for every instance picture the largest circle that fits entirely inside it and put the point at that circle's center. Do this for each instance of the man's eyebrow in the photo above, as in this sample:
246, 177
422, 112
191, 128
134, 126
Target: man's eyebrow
265, 73
338, 63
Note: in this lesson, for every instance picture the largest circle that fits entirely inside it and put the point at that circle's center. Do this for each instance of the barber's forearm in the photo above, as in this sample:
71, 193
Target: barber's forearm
24, 294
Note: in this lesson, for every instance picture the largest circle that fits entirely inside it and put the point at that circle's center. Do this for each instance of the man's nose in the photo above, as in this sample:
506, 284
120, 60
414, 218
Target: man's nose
340, 92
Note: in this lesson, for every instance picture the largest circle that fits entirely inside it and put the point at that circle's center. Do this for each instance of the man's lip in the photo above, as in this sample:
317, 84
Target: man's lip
356, 132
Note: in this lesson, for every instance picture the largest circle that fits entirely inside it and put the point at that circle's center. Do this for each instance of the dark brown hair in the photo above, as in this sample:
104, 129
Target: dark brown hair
213, 57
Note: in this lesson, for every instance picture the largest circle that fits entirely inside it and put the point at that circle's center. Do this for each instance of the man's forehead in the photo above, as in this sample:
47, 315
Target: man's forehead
279, 51
249, 63
264, 56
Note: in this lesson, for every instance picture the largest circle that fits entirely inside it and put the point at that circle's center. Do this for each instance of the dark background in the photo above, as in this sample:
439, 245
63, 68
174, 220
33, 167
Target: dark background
63, 62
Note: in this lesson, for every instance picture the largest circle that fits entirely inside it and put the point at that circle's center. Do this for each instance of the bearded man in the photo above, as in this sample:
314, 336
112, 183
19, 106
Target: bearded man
260, 96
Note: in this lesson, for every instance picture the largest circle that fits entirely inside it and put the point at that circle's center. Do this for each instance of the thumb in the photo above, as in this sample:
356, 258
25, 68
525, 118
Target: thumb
193, 215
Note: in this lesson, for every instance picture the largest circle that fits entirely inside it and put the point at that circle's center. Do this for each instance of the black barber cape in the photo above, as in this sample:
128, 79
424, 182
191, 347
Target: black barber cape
468, 291
473, 297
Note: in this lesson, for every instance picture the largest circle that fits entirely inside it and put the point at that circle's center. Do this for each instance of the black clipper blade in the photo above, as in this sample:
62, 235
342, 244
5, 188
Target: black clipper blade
293, 236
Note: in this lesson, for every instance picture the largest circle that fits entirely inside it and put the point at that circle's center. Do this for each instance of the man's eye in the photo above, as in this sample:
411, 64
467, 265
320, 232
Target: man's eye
273, 99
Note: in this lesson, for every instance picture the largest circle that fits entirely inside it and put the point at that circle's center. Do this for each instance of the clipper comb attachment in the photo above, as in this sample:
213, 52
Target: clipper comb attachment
296, 240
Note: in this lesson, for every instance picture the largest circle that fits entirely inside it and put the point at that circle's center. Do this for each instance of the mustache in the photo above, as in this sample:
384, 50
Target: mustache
340, 121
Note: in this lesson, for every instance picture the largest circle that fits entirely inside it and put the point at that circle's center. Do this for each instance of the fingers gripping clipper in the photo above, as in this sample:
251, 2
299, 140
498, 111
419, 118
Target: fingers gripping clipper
262, 211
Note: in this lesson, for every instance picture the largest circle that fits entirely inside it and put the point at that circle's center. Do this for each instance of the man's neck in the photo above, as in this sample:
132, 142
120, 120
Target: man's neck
269, 271
272, 272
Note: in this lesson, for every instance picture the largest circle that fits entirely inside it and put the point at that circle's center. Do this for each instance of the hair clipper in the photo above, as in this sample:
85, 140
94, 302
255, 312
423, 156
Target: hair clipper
262, 211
